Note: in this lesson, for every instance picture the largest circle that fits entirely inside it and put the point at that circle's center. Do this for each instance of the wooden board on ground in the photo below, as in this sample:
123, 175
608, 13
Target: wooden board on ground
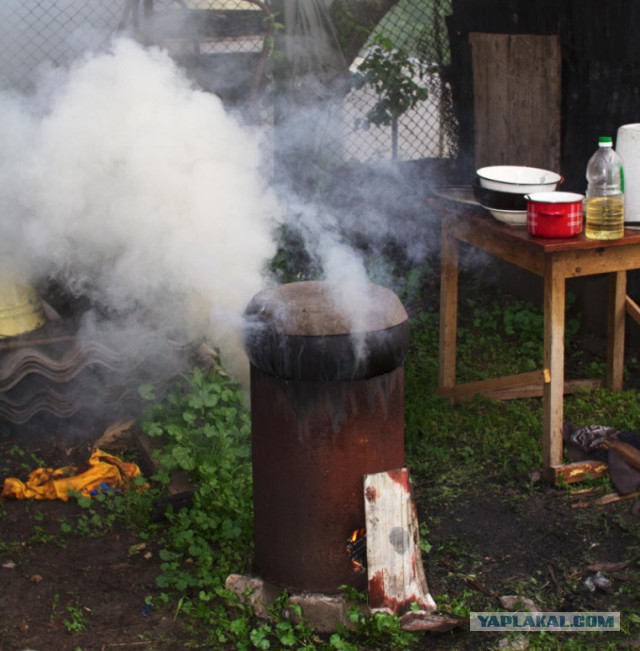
179, 484
394, 564
571, 473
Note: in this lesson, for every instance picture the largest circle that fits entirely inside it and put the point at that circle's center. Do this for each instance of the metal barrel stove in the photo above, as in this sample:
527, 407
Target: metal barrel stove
327, 408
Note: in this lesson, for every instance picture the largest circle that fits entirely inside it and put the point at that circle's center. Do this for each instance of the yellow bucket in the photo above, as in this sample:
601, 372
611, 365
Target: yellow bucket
20, 306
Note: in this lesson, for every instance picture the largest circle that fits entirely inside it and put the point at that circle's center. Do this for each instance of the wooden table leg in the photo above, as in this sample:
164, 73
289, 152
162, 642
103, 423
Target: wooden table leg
448, 309
553, 394
615, 329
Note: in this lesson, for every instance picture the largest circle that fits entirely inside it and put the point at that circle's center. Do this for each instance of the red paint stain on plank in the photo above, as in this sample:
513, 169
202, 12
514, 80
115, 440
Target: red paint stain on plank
378, 598
401, 477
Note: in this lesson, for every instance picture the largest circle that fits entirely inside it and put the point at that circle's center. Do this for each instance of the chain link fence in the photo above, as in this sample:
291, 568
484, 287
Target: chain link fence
428, 130
202, 35
37, 33
46, 33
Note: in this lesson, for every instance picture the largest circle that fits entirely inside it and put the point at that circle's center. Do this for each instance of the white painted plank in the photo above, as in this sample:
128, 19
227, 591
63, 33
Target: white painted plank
396, 577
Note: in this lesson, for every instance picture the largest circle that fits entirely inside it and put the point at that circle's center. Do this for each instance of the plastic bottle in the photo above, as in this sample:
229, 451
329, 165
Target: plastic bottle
604, 218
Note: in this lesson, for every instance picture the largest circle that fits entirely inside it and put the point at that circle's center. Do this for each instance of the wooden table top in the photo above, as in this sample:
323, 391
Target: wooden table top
478, 219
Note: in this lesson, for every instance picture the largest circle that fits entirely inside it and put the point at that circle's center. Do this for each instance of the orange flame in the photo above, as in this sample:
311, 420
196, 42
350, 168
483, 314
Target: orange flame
358, 534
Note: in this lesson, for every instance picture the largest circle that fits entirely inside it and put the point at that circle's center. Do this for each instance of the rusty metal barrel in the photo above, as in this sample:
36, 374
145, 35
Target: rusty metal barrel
327, 408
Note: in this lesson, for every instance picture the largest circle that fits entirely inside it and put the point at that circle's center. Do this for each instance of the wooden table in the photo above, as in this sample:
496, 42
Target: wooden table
554, 260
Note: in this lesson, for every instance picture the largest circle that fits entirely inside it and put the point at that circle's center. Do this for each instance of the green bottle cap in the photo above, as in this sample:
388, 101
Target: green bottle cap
605, 140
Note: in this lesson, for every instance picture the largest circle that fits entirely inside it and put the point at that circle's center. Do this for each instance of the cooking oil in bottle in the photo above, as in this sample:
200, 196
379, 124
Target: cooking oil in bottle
604, 218
604, 214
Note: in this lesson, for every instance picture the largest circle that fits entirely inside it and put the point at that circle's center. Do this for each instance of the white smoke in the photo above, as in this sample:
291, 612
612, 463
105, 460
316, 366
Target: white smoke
139, 191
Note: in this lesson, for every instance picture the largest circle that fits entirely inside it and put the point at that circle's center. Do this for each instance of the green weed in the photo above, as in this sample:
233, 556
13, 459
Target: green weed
74, 618
24, 460
205, 429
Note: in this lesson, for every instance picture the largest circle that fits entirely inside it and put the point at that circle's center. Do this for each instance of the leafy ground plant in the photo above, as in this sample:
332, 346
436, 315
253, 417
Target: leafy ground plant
204, 426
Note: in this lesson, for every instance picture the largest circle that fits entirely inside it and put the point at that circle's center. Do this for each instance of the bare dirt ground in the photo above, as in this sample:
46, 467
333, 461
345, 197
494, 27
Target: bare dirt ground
550, 545
67, 591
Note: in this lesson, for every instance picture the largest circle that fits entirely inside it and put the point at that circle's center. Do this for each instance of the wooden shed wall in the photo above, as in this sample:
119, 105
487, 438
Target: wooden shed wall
600, 69
516, 123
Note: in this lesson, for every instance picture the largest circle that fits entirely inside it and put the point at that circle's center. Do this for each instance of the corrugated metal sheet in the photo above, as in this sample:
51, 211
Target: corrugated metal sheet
54, 371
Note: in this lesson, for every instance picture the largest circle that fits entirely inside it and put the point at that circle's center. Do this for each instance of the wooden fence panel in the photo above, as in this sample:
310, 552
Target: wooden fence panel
517, 99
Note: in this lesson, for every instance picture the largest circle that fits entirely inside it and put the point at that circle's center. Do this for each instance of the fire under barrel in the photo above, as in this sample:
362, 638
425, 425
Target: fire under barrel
327, 408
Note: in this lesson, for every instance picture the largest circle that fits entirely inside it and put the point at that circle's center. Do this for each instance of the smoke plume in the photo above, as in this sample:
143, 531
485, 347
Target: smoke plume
138, 191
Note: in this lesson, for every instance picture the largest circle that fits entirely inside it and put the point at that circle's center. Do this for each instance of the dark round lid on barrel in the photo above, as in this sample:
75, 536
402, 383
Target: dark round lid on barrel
317, 330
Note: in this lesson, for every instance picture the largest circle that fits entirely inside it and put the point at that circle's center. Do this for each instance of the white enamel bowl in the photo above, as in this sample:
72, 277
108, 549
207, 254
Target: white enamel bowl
510, 217
518, 179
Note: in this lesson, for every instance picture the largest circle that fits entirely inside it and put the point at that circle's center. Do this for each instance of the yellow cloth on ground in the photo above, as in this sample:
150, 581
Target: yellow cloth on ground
49, 484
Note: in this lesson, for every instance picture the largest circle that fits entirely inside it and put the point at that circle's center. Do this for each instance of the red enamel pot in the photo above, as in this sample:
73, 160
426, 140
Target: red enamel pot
554, 214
